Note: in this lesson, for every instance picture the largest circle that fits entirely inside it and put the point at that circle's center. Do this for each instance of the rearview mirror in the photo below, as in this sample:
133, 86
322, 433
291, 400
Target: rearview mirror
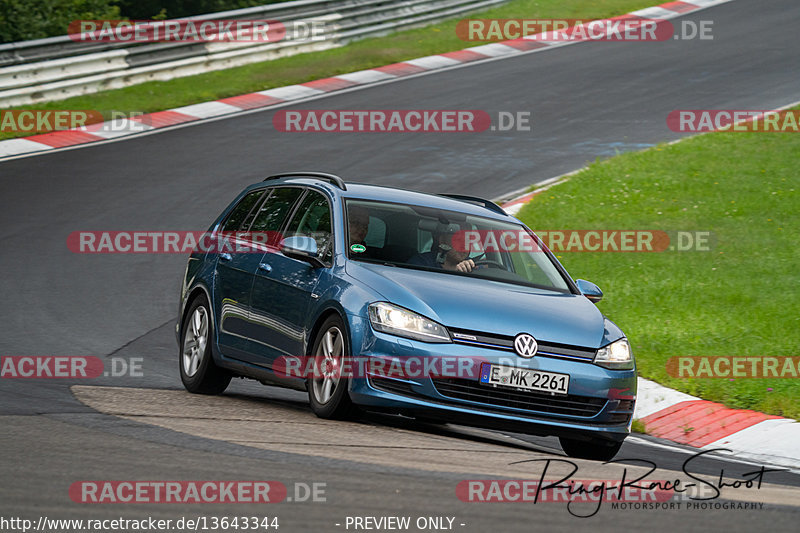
590, 290
301, 248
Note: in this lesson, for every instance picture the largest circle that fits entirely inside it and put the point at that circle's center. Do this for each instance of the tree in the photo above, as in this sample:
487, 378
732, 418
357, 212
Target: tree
22, 20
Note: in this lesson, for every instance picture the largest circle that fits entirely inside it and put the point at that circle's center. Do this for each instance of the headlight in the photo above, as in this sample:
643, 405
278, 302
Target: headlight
389, 318
616, 356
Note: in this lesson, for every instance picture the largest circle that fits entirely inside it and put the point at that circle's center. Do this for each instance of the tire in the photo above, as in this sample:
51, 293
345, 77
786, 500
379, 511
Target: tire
328, 394
595, 449
199, 373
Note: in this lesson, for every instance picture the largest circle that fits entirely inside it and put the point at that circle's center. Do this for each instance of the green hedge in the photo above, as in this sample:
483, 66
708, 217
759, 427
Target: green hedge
22, 20
146, 9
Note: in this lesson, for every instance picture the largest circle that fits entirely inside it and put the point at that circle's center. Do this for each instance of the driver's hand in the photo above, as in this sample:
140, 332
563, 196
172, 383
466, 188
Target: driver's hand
465, 266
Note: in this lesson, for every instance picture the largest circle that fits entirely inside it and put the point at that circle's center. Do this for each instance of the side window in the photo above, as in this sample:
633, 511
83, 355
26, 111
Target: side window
238, 219
313, 219
274, 211
376, 235
424, 240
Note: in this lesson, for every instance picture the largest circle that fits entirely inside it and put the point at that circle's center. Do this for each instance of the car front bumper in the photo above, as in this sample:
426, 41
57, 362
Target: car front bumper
599, 402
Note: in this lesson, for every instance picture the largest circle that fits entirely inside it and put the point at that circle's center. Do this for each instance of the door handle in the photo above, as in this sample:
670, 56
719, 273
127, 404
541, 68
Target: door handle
265, 267
224, 256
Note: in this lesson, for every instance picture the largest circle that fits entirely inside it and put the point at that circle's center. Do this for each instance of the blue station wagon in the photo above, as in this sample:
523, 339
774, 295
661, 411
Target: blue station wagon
439, 307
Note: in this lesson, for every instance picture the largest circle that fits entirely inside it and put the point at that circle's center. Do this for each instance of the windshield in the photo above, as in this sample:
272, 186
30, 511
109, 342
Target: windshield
410, 236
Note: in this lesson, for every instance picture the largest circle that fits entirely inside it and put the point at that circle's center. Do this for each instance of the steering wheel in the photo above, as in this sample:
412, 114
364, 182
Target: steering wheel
490, 264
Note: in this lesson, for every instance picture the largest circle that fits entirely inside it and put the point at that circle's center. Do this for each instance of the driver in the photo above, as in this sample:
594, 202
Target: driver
443, 254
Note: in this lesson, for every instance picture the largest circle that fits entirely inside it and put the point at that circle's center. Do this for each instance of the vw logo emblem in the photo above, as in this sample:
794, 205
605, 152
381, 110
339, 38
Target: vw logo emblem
525, 345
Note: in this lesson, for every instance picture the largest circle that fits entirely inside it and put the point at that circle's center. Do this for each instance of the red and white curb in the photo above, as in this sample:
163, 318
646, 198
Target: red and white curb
685, 419
105, 131
513, 205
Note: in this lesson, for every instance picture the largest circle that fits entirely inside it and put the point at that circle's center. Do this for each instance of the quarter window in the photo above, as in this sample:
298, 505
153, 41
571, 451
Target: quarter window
238, 219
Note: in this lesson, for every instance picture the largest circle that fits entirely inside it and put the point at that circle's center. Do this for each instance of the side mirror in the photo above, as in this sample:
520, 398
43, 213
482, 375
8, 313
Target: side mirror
590, 290
302, 248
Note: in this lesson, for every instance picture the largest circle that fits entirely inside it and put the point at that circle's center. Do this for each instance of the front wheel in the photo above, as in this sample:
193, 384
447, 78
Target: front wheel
198, 372
327, 388
595, 449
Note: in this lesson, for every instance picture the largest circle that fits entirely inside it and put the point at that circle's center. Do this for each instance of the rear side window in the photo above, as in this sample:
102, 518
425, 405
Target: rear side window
313, 219
238, 220
274, 210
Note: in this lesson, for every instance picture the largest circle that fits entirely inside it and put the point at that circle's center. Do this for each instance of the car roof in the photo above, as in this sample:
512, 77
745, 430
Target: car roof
363, 191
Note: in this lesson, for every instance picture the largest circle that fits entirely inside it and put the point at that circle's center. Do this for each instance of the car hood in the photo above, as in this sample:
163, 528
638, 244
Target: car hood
463, 302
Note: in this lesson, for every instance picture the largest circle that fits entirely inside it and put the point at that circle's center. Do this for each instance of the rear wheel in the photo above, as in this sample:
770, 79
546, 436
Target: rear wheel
198, 371
327, 387
595, 449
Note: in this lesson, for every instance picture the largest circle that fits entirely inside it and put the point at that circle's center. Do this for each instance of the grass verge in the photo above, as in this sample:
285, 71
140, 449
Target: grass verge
637, 426
365, 54
739, 298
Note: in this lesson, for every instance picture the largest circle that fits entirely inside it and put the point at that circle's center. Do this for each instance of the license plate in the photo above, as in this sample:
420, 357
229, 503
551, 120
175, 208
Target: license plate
522, 378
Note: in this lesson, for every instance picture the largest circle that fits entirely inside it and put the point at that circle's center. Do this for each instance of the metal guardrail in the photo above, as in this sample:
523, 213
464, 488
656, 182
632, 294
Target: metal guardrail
60, 67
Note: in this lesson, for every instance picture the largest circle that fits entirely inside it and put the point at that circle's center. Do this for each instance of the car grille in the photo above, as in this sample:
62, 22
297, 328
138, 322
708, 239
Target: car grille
571, 404
506, 343
623, 412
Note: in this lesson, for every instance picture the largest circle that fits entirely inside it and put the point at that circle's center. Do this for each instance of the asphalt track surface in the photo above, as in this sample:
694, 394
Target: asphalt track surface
587, 101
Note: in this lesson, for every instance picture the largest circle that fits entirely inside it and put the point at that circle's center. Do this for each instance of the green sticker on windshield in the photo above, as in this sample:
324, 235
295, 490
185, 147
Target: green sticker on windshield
358, 248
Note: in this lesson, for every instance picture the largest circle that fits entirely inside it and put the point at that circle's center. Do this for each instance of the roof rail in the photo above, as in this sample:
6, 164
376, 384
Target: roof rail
488, 204
332, 178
